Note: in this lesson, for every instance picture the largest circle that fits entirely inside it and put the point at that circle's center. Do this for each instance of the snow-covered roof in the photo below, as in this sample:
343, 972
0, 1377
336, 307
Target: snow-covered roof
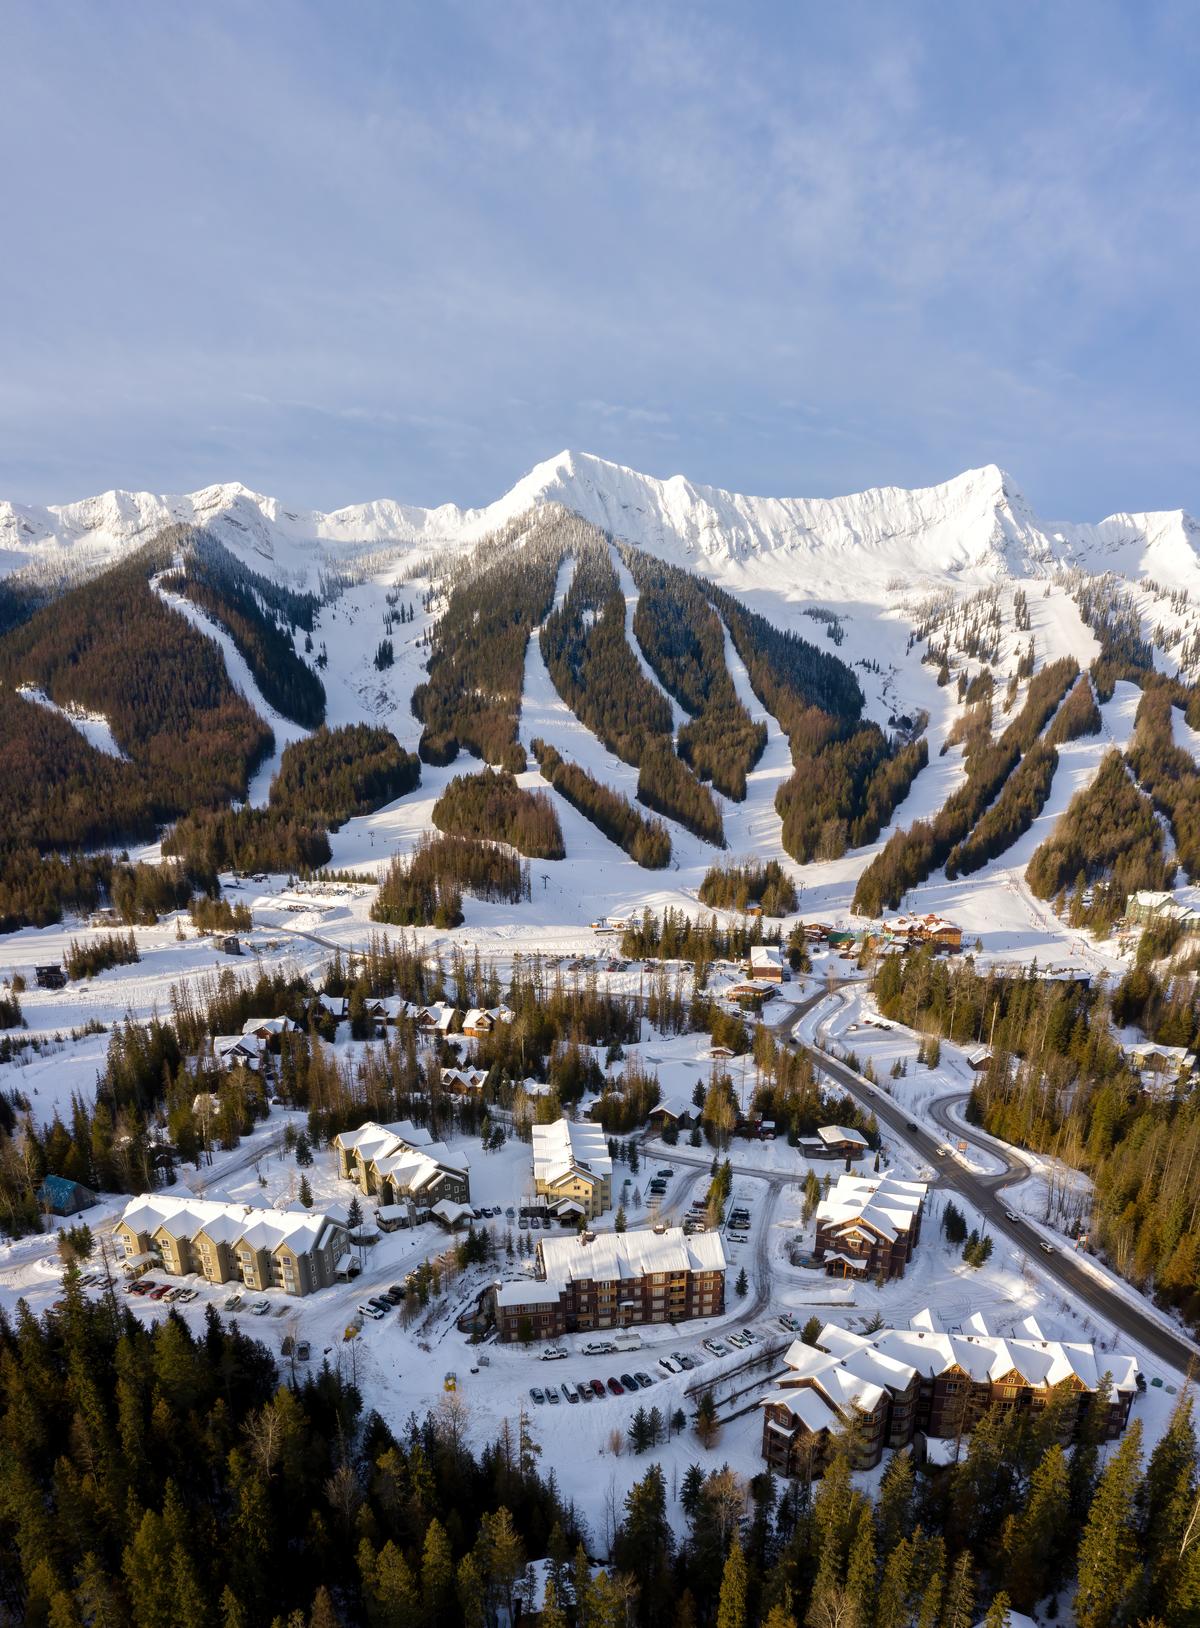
884, 1203
609, 1257
404, 1153
269, 1025
832, 1134
446, 1210
487, 1017
236, 1045
891, 1356
569, 1147
812, 1409
225, 1223
766, 956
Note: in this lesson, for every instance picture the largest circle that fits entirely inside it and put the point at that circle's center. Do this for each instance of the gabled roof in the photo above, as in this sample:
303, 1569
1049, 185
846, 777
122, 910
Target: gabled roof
570, 1147
226, 1223
610, 1257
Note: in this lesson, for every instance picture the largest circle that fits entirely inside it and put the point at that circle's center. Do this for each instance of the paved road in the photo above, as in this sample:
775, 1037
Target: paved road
1064, 1268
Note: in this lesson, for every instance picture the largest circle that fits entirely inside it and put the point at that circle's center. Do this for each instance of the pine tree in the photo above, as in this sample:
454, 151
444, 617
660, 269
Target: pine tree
1109, 1561
959, 1608
306, 1193
731, 1607
1033, 1541
861, 1572
742, 1283
998, 1612
437, 1573
553, 1615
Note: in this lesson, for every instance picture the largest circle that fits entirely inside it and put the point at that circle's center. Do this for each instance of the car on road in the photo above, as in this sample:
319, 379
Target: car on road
367, 1308
538, 1395
1011, 1215
909, 1126
1045, 1247
616, 1387
597, 1388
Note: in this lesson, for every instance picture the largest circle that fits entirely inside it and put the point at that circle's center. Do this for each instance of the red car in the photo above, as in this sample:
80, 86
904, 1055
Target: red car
597, 1387
616, 1387
163, 1289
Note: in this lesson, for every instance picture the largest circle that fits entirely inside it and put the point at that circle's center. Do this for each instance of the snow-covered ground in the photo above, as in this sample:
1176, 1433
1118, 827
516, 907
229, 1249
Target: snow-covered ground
93, 726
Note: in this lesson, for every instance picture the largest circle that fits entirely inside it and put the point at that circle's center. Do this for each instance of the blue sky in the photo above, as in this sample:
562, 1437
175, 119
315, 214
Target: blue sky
349, 251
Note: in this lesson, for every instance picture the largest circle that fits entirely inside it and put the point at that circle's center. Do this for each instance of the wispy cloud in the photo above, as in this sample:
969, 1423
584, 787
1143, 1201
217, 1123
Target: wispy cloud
414, 249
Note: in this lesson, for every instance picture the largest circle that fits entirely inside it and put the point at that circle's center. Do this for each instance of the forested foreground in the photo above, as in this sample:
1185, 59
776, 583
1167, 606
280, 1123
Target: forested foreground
158, 1478
1059, 1083
490, 806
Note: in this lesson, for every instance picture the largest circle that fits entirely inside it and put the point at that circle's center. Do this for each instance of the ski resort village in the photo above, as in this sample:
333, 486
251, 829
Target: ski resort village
660, 998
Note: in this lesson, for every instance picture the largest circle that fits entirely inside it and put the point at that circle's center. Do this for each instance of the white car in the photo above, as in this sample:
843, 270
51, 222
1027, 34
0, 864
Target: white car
553, 1353
365, 1310
716, 1349
667, 1366
260, 1308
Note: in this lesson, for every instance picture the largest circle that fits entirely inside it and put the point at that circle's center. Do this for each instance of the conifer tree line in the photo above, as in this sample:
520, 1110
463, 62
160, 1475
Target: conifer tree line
1165, 770
189, 740
589, 658
426, 889
490, 805
675, 936
152, 1476
645, 840
1059, 1083
733, 887
324, 780
912, 855
1109, 838
684, 642
234, 601
472, 697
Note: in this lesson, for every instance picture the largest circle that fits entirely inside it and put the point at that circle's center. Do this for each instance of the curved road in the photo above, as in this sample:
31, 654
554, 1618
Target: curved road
1067, 1270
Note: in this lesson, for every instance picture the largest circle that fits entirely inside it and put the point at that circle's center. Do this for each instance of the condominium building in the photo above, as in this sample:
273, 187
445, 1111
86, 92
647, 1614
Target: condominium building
920, 1383
869, 1226
402, 1161
294, 1250
571, 1166
613, 1280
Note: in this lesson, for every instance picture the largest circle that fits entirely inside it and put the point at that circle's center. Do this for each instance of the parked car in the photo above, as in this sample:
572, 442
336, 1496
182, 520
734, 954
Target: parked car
523, 1224
538, 1395
750, 1337
367, 1308
615, 1387
569, 1391
552, 1395
260, 1308
553, 1353
233, 1302
667, 1366
510, 1212
395, 1294
381, 1300
716, 1348
597, 1388
303, 1351
643, 1379
684, 1361
188, 1295
586, 1394
598, 1348
161, 1292
738, 1343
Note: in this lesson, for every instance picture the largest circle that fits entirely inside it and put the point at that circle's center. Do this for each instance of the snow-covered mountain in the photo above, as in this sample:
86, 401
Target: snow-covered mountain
974, 529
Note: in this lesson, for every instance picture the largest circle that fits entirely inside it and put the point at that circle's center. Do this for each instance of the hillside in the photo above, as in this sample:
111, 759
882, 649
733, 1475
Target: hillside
868, 689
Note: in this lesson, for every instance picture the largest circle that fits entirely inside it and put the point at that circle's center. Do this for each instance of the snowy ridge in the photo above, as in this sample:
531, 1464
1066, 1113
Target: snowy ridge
973, 529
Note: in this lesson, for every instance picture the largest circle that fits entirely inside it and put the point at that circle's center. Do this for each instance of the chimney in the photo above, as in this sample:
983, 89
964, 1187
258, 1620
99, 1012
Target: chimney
587, 1237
